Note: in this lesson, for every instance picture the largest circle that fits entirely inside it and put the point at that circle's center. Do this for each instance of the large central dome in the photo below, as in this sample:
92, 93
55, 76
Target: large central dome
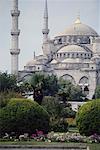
79, 28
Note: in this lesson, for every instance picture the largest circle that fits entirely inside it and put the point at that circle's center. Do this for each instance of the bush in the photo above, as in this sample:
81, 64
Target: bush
23, 116
6, 96
88, 118
57, 114
67, 112
59, 126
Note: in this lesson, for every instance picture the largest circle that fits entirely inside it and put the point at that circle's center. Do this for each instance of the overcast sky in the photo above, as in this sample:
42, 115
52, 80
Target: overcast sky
62, 13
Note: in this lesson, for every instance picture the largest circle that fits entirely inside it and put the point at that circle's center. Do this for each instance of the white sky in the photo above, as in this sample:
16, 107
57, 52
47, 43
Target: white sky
62, 13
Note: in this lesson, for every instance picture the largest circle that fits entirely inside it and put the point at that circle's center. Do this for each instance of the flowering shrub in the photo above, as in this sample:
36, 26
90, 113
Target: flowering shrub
72, 137
57, 137
95, 138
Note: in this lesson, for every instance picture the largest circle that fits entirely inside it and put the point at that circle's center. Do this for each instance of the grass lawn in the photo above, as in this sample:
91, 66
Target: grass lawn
52, 144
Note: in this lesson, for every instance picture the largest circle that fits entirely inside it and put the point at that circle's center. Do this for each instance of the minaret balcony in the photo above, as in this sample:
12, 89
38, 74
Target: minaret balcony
45, 31
15, 32
15, 12
14, 51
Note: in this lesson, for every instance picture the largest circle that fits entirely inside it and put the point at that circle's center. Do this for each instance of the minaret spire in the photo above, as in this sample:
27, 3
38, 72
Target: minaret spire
45, 30
14, 51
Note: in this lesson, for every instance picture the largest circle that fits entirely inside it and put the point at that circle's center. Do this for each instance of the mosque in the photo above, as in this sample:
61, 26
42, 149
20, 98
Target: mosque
73, 54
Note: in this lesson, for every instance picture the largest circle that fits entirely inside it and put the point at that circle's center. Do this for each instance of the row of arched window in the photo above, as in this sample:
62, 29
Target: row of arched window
72, 39
73, 55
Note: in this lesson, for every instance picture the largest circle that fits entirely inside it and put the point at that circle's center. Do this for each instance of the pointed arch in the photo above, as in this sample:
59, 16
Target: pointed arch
69, 78
84, 80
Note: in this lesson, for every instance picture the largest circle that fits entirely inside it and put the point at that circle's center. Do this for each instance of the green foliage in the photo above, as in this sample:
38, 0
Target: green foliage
8, 88
43, 85
7, 82
50, 86
97, 92
23, 116
36, 83
24, 87
3, 99
67, 112
6, 96
69, 92
64, 90
58, 113
52, 106
76, 93
59, 125
88, 118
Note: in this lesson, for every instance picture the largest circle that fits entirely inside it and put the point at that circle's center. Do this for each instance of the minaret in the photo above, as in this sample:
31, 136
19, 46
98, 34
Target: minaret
45, 30
14, 51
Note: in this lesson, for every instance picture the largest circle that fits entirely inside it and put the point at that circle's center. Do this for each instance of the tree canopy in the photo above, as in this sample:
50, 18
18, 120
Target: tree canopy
7, 82
43, 85
49, 85
69, 92
23, 116
88, 118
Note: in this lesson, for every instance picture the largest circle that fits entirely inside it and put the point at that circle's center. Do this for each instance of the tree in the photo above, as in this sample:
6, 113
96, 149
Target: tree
7, 82
97, 92
67, 112
69, 92
64, 90
24, 87
88, 118
52, 106
23, 116
8, 88
43, 85
50, 86
37, 85
57, 117
76, 94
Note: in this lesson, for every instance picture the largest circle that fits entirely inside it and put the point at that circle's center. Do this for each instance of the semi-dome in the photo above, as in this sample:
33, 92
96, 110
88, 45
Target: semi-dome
78, 28
71, 48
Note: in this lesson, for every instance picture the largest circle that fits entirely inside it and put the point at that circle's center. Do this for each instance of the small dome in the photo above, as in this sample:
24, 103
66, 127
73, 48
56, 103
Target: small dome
78, 28
71, 48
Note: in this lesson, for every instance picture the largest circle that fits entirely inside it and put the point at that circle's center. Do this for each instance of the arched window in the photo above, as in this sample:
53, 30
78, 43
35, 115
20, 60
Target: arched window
84, 80
69, 78
60, 41
77, 55
73, 55
68, 54
64, 54
84, 83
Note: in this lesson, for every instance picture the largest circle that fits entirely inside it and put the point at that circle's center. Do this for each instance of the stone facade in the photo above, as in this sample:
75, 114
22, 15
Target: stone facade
73, 55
